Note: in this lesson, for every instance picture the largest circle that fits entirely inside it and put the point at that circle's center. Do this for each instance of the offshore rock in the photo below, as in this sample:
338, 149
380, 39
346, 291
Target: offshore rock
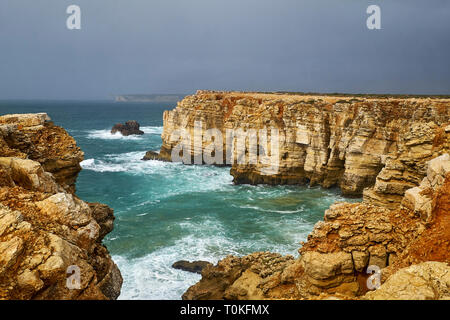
129, 128
379, 143
48, 236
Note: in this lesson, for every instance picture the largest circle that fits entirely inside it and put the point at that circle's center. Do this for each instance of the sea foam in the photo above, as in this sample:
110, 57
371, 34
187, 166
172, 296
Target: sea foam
106, 134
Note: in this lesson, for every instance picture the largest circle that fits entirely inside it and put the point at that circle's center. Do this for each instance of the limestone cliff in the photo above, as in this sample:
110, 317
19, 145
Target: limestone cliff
50, 240
335, 259
391, 150
377, 143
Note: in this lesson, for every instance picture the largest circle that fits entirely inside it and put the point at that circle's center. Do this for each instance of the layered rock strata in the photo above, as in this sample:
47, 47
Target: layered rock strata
352, 142
408, 246
50, 240
377, 147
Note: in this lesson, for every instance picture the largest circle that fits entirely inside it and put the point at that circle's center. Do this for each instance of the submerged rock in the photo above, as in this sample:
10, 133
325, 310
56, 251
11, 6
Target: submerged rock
195, 266
129, 128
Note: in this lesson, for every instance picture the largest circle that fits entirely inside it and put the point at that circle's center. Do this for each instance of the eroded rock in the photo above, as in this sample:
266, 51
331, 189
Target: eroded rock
45, 229
153, 155
195, 266
381, 144
129, 128
425, 281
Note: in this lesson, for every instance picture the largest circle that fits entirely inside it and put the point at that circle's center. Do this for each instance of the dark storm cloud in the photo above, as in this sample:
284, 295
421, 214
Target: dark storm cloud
178, 46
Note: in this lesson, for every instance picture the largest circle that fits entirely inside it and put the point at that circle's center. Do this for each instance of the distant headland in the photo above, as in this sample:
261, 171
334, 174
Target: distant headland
149, 97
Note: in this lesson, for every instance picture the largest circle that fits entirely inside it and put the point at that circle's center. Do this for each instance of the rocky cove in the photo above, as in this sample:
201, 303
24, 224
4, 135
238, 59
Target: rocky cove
390, 150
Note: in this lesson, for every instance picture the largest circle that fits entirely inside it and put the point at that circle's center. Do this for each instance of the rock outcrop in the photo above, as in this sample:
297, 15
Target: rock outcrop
194, 266
153, 155
50, 240
377, 143
129, 128
425, 281
342, 251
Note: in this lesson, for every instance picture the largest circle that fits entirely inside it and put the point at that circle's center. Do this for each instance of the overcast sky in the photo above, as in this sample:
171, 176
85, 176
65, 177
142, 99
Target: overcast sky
179, 46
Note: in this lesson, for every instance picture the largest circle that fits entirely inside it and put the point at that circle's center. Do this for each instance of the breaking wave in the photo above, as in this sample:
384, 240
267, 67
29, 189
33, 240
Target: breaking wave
107, 135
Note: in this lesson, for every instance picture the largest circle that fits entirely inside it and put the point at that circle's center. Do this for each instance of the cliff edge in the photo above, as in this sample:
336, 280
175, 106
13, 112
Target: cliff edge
354, 142
50, 240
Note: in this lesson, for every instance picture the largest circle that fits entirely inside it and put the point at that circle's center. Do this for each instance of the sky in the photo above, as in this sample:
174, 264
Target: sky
179, 46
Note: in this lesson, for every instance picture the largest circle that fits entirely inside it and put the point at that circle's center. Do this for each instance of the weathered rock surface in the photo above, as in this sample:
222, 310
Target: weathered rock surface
33, 137
252, 277
153, 155
338, 252
381, 143
129, 128
425, 281
47, 233
194, 266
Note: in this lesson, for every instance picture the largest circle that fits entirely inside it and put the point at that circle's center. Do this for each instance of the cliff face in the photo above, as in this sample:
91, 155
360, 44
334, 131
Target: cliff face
391, 150
50, 240
382, 143
334, 261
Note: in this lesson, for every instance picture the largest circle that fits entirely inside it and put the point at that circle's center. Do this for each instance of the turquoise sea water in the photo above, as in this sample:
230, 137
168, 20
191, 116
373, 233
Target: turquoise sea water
167, 212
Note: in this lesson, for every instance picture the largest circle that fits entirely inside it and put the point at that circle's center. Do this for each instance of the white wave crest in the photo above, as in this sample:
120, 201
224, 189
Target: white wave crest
197, 178
152, 130
152, 277
107, 135
258, 208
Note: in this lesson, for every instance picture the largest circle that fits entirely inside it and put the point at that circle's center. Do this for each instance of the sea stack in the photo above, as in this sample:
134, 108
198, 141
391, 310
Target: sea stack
129, 128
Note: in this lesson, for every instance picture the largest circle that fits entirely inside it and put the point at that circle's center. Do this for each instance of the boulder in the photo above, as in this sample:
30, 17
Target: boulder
425, 281
153, 155
46, 231
195, 266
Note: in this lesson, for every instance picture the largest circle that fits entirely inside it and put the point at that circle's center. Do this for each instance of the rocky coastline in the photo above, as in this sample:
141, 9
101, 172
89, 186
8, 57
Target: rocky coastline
50, 240
392, 151
409, 248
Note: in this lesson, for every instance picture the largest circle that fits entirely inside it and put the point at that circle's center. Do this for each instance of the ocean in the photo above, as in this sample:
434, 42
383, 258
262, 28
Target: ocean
167, 212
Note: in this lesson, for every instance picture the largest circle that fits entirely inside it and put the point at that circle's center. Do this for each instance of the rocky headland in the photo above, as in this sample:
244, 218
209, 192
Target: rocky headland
50, 240
390, 150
